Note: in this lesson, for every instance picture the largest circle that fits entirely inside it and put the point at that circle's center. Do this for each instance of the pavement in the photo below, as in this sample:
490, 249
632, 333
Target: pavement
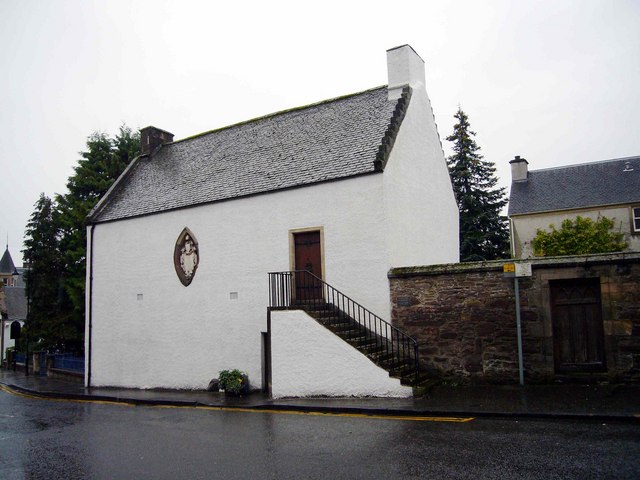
601, 401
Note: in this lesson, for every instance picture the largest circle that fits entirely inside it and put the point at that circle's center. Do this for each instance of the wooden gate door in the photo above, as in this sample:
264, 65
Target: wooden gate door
578, 333
308, 257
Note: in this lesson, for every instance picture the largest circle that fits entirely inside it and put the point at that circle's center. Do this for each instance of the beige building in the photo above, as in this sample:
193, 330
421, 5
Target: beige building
539, 198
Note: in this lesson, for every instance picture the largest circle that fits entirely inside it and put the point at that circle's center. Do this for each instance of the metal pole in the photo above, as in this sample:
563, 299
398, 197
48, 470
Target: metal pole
2, 345
519, 325
26, 357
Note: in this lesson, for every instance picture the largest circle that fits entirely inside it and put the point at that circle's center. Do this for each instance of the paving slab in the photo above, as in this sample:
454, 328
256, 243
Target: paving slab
597, 401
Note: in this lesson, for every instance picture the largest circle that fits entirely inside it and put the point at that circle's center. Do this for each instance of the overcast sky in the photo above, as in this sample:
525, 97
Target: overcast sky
556, 81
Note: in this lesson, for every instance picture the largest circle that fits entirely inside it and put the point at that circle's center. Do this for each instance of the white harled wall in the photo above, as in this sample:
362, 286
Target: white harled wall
180, 337
309, 360
420, 207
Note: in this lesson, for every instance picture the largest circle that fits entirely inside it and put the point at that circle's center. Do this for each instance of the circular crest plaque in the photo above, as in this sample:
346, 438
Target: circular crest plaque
186, 256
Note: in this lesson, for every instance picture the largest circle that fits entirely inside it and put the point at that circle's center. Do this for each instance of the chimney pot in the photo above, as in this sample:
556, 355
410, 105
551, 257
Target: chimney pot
152, 137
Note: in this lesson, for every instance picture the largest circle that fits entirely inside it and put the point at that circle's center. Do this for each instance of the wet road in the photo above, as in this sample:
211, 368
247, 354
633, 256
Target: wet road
69, 440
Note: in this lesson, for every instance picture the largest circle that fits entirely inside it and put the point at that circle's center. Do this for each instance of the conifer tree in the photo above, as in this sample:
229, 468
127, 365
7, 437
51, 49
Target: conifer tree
102, 163
45, 325
483, 231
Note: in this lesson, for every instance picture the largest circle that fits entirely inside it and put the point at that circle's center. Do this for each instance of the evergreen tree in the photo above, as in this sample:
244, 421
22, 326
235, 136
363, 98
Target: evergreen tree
102, 163
483, 231
45, 325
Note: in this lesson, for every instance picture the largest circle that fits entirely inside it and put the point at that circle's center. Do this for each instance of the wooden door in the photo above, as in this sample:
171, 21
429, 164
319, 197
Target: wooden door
578, 333
308, 257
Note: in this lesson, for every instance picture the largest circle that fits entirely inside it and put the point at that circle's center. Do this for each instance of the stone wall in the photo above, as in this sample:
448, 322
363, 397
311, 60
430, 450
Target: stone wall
463, 316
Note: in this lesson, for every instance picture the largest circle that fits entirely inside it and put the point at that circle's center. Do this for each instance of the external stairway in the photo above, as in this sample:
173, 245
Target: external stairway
387, 346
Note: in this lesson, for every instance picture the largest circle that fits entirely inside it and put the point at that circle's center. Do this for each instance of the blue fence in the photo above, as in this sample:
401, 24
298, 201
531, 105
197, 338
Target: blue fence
68, 361
61, 361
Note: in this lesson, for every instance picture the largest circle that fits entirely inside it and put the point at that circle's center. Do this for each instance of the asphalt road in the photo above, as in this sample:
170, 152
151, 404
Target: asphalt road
43, 439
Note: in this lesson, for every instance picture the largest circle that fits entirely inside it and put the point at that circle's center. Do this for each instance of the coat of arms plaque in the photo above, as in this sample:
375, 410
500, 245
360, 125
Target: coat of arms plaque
186, 256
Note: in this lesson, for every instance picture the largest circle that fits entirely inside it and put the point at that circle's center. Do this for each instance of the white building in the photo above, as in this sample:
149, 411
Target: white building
180, 247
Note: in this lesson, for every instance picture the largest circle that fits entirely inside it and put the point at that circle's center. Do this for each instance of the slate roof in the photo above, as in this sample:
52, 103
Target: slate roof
326, 141
15, 300
7, 266
610, 182
20, 278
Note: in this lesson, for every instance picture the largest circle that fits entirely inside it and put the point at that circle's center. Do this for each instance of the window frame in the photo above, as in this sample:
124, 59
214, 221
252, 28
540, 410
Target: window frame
635, 219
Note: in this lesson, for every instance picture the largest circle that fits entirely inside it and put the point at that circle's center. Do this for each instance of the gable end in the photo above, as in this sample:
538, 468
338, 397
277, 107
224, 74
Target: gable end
382, 157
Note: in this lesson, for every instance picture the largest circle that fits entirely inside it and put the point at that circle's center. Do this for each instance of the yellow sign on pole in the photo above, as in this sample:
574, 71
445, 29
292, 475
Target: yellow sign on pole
509, 270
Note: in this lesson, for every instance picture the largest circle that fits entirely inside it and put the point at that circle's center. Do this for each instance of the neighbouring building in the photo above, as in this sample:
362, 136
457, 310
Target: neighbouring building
539, 198
180, 248
9, 274
13, 300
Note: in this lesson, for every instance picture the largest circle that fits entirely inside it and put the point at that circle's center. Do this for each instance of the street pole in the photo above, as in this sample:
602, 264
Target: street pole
519, 326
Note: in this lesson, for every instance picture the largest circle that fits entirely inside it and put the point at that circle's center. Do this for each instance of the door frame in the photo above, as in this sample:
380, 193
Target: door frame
292, 247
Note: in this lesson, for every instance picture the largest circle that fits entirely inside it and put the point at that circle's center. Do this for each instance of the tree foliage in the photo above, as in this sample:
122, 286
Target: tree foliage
102, 163
579, 236
46, 325
99, 166
483, 231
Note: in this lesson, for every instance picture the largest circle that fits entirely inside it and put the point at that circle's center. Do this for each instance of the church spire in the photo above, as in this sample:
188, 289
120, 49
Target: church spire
7, 267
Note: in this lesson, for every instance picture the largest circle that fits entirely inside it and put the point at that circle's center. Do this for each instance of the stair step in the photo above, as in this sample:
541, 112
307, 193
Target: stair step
357, 339
400, 369
388, 358
372, 349
332, 321
351, 333
324, 312
375, 346
409, 376
352, 330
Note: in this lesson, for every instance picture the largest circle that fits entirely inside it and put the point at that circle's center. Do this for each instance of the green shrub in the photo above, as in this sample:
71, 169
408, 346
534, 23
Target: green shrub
580, 236
233, 381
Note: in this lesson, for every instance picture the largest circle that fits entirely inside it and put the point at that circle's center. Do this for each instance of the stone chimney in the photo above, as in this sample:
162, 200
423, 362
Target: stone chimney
519, 169
404, 68
152, 137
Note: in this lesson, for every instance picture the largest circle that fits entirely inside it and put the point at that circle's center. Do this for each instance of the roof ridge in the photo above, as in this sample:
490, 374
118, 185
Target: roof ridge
563, 167
275, 114
392, 130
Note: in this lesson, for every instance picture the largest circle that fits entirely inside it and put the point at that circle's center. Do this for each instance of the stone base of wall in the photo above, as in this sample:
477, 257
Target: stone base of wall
463, 316
68, 375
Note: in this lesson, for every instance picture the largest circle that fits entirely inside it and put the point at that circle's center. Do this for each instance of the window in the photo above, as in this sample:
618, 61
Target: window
635, 219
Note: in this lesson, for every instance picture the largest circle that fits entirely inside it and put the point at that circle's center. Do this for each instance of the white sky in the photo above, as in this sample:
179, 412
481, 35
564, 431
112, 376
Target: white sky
555, 81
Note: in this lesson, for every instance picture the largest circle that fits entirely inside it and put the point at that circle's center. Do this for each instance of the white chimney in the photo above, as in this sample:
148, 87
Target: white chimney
404, 68
519, 169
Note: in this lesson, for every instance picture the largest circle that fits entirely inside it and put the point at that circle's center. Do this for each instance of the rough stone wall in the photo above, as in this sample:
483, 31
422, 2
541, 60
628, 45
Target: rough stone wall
463, 316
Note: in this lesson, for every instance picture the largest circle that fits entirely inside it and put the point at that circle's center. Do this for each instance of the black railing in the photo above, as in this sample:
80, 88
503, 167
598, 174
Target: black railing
301, 289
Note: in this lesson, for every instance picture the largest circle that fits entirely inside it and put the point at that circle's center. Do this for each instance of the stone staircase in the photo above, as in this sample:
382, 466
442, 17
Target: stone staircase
374, 345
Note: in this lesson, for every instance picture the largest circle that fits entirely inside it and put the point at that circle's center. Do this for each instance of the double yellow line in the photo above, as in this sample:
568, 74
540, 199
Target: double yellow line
411, 418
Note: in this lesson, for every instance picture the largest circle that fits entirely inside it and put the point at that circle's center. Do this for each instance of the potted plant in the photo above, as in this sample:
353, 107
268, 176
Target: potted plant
233, 382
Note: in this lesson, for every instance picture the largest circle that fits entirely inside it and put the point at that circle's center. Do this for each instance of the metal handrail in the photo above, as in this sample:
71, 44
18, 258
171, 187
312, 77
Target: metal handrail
301, 289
